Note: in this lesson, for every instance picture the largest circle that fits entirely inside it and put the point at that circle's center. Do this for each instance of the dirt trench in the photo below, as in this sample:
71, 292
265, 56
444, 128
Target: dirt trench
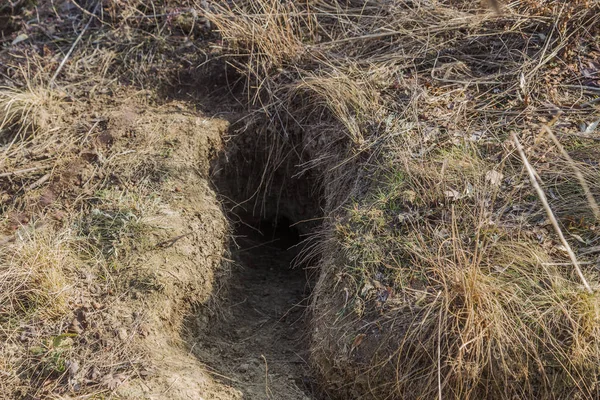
255, 338
224, 325
252, 336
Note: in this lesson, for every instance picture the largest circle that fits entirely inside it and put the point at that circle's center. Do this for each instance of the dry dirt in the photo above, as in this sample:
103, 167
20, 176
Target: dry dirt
228, 324
257, 345
198, 309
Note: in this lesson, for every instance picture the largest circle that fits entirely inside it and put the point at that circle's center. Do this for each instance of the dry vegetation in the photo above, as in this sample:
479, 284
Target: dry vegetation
90, 163
439, 271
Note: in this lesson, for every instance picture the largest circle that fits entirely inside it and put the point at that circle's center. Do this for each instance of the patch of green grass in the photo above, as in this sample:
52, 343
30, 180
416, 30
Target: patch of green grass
112, 231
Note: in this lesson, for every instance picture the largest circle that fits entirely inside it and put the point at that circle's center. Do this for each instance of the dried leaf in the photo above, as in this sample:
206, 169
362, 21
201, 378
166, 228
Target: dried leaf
409, 196
494, 178
113, 381
591, 127
358, 340
452, 194
367, 287
22, 37
579, 238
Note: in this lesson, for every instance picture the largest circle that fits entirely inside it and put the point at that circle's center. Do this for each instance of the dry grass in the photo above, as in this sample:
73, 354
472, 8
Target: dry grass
81, 210
26, 116
75, 200
439, 275
52, 244
34, 277
464, 284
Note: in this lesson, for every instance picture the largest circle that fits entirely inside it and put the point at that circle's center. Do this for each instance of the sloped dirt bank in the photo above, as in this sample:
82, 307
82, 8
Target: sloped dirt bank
253, 334
184, 255
228, 318
443, 277
123, 237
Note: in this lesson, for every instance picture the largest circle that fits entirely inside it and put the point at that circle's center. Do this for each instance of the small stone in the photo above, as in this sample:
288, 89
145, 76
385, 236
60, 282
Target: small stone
76, 326
244, 368
122, 334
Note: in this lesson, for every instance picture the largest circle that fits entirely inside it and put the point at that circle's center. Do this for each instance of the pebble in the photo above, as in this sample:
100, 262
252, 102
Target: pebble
122, 334
243, 368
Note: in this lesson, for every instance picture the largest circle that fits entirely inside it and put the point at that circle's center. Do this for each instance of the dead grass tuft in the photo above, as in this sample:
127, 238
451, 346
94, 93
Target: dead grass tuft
26, 115
34, 276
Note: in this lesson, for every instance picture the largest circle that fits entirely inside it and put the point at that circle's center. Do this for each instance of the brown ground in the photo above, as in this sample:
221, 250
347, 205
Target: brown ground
156, 308
247, 339
121, 275
257, 343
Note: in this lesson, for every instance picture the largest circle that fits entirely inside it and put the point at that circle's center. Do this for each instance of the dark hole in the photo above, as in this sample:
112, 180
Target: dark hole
265, 299
280, 233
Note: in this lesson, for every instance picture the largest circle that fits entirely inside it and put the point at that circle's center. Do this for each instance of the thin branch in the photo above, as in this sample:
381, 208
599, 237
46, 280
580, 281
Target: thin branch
39, 182
549, 212
22, 171
62, 64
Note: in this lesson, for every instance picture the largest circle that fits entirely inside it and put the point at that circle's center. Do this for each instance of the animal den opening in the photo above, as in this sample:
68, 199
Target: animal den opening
255, 332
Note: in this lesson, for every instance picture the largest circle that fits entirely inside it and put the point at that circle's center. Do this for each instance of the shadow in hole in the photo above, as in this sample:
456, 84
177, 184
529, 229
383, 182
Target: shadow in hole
282, 234
254, 333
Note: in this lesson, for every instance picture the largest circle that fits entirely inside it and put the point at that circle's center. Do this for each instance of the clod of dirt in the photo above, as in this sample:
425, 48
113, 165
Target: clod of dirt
122, 334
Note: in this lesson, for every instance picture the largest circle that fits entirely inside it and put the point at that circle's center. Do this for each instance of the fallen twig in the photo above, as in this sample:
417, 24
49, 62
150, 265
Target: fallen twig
583, 88
21, 171
584, 135
62, 64
39, 182
553, 264
549, 212
591, 250
171, 242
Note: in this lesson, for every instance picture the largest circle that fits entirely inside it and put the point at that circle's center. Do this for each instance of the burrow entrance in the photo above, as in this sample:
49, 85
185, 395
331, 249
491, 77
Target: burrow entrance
254, 335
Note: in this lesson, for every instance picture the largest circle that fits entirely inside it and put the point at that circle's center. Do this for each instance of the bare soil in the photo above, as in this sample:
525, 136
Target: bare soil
256, 343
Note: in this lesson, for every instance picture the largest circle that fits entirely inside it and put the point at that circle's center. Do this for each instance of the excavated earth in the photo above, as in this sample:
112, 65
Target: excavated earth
231, 319
210, 303
217, 305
